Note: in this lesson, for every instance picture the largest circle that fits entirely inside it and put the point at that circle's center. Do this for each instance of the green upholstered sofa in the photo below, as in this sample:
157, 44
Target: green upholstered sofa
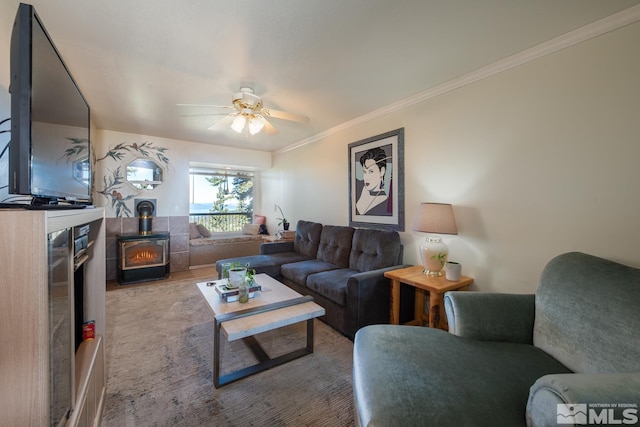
570, 350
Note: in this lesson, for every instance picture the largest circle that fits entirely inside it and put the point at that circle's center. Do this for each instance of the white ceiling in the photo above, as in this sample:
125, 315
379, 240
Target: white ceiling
331, 60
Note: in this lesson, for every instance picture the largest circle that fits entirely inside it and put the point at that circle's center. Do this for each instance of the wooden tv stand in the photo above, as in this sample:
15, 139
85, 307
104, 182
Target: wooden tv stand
24, 317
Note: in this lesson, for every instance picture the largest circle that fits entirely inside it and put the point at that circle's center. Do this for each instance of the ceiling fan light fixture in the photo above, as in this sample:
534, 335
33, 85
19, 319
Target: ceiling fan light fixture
238, 123
256, 123
249, 116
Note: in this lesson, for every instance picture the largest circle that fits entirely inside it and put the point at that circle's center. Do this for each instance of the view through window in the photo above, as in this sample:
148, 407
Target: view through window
220, 200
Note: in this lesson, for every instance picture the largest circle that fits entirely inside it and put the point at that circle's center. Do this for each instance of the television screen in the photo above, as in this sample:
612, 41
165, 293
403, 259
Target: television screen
49, 149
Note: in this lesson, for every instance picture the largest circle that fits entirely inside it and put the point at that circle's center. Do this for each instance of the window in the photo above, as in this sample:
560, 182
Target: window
220, 200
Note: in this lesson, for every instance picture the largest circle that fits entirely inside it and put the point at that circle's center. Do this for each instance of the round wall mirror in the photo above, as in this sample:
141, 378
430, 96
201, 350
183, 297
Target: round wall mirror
144, 174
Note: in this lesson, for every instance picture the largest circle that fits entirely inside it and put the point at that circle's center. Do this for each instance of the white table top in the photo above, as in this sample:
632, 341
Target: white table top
272, 292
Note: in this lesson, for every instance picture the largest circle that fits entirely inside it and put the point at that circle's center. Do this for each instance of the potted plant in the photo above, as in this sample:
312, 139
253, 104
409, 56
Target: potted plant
237, 275
283, 220
250, 272
241, 277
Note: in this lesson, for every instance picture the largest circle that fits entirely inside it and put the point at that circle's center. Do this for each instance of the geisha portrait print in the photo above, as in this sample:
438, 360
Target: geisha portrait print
376, 182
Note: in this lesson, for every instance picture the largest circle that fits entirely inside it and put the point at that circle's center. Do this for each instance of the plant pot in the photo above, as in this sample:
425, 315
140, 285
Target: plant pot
237, 277
285, 225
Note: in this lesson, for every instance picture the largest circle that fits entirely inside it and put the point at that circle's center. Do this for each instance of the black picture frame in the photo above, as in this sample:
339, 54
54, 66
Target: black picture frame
376, 195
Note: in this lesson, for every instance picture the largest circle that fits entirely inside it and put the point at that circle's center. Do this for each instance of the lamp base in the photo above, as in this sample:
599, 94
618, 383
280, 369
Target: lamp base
434, 254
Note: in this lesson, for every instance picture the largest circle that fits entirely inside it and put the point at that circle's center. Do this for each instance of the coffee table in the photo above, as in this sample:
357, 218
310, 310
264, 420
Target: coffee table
273, 307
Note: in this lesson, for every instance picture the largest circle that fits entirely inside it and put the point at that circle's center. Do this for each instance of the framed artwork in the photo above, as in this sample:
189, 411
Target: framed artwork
376, 182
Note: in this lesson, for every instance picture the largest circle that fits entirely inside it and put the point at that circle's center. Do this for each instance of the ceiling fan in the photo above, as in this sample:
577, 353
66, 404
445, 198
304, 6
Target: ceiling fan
249, 115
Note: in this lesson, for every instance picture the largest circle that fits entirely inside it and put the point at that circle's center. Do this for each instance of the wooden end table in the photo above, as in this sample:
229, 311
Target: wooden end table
435, 287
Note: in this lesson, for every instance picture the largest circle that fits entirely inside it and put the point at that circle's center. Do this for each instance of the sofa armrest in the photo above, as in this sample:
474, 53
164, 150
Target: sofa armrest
597, 392
491, 316
276, 247
367, 297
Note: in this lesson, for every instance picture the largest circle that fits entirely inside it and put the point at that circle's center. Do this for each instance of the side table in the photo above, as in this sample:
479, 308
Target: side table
435, 287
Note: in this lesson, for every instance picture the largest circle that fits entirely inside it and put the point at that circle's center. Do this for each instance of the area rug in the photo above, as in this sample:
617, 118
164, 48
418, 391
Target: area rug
159, 345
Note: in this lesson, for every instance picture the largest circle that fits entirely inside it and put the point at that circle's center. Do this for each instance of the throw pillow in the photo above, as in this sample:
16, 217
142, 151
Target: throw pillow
252, 229
193, 231
259, 219
263, 229
204, 231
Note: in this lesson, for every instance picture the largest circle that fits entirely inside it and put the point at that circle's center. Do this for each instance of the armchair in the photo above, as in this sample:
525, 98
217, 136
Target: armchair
512, 359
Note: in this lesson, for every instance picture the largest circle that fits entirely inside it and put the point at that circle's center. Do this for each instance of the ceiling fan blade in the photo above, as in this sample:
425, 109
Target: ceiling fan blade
206, 106
203, 115
269, 129
223, 123
284, 115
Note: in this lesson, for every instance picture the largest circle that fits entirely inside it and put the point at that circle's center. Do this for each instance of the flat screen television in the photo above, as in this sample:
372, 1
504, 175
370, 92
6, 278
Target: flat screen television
49, 157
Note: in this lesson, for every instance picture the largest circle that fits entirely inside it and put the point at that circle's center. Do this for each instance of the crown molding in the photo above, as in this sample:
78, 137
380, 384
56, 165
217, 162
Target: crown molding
586, 32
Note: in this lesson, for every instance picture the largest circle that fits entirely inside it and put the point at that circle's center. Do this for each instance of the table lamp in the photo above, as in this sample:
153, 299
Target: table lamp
434, 218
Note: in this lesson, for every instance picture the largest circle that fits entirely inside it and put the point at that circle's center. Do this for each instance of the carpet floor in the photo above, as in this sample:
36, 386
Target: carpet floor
159, 345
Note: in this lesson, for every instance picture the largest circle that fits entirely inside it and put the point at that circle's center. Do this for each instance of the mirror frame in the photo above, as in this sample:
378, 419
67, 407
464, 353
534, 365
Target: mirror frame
157, 172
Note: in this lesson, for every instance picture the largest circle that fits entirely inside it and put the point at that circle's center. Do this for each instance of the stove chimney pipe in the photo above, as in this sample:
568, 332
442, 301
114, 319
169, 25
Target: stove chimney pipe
145, 216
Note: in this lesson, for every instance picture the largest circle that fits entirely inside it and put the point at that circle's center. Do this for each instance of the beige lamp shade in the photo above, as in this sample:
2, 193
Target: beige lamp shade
435, 218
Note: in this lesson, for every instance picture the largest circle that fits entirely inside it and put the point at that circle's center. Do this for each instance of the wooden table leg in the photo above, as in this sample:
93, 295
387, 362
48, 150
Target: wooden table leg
394, 315
418, 310
435, 310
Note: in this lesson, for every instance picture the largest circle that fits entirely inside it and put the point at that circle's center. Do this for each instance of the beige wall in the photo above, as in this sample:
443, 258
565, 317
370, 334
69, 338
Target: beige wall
173, 195
537, 160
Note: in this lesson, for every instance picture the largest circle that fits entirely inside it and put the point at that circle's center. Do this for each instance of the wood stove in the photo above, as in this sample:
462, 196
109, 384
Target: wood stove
143, 257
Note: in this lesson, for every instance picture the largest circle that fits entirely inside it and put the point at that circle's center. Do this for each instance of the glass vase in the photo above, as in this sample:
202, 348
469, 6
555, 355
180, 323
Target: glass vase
243, 293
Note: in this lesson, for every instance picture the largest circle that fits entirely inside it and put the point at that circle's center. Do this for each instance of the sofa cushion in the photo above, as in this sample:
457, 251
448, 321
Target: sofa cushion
204, 231
261, 263
374, 249
265, 263
331, 284
251, 229
587, 314
194, 233
441, 379
220, 238
335, 245
299, 271
307, 238
288, 258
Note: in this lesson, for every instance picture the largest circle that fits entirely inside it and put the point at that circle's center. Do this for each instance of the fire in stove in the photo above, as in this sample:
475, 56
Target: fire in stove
148, 253
145, 256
